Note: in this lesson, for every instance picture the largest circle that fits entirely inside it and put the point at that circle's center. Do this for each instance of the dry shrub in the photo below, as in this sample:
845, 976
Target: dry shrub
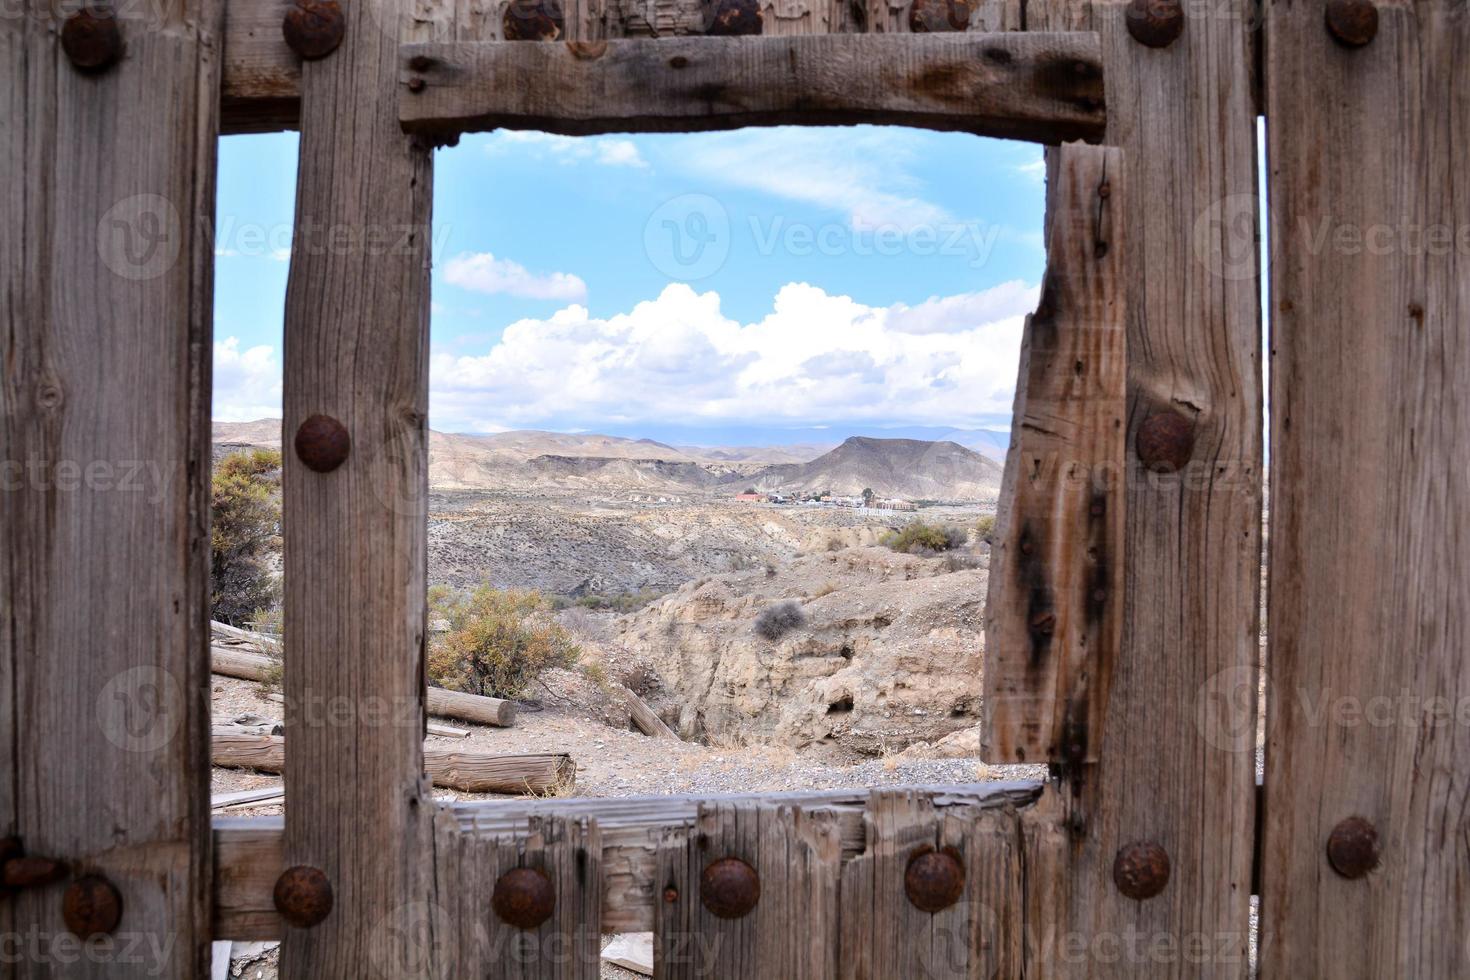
499, 641
777, 620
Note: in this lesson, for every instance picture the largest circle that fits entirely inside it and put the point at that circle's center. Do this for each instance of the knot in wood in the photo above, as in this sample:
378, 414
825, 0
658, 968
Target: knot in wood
92, 39
1352, 23
314, 28
1155, 23
322, 443
1352, 848
934, 880
1141, 870
735, 18
91, 907
939, 16
729, 888
303, 896
1165, 441
533, 20
523, 898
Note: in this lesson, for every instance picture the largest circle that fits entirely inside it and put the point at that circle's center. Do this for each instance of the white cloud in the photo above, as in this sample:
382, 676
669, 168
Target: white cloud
815, 358
1034, 170
247, 383
606, 151
484, 273
865, 175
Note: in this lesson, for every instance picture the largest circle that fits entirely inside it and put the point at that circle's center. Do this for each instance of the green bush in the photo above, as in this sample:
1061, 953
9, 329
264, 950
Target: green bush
499, 641
245, 535
985, 526
919, 538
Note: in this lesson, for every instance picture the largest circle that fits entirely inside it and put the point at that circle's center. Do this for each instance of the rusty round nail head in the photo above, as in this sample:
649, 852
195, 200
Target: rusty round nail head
939, 16
736, 18
934, 880
322, 443
1141, 870
92, 39
1352, 848
1352, 23
729, 888
533, 20
671, 894
303, 896
1155, 23
91, 907
314, 28
416, 84
523, 898
1165, 441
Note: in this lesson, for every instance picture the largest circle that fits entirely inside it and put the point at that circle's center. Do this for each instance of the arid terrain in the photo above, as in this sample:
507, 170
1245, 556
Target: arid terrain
669, 582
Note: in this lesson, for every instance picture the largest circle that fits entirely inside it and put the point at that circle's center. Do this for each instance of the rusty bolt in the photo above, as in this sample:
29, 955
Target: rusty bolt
934, 880
729, 888
1141, 870
322, 443
1352, 847
416, 84
533, 20
91, 39
735, 18
671, 894
303, 896
91, 907
1155, 23
523, 897
939, 16
314, 28
1165, 442
31, 872
1352, 23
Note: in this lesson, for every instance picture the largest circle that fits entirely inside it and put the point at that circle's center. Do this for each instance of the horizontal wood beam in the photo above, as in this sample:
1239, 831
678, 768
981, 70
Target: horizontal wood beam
1042, 87
250, 852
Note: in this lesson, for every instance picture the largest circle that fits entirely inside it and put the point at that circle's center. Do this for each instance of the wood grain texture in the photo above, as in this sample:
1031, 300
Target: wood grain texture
356, 349
1169, 769
1041, 87
797, 857
105, 323
250, 852
981, 935
1370, 569
464, 938
1054, 606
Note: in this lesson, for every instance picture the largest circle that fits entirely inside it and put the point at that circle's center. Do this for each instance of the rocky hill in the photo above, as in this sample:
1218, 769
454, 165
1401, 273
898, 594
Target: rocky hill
587, 463
910, 468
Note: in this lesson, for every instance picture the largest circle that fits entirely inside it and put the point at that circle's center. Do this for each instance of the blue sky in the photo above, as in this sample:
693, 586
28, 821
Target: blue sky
757, 286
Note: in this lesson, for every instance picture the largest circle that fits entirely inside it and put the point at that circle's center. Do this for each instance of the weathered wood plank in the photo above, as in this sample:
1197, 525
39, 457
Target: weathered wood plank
105, 325
250, 852
884, 934
1043, 87
796, 857
1370, 495
356, 351
1166, 772
1054, 609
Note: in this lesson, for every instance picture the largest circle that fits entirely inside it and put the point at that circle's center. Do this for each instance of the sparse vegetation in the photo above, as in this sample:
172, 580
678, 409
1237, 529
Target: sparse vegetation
775, 621
985, 527
920, 538
499, 641
245, 535
621, 602
826, 588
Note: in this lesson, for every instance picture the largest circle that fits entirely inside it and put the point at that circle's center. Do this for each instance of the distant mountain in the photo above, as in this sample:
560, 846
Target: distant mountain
909, 468
526, 460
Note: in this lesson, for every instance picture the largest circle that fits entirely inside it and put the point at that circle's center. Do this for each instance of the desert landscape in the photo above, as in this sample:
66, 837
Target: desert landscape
763, 604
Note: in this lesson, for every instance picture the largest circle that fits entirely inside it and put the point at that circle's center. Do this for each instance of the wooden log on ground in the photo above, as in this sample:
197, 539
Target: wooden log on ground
647, 721
1042, 87
469, 772
245, 665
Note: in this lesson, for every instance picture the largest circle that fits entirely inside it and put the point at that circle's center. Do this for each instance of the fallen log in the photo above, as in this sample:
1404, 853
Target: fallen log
644, 717
470, 772
246, 665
